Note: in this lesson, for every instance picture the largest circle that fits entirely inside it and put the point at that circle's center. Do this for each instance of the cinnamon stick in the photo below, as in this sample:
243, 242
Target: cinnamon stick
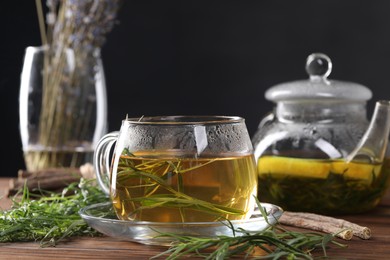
50, 179
325, 224
24, 174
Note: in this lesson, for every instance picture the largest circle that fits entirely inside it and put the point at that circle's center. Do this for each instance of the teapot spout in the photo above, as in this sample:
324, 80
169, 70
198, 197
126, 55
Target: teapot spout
372, 147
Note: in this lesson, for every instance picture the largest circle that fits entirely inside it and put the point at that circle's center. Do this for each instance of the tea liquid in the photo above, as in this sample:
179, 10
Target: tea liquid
322, 186
167, 189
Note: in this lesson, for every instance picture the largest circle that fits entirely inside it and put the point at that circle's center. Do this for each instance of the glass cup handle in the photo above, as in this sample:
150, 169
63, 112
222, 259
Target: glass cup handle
101, 160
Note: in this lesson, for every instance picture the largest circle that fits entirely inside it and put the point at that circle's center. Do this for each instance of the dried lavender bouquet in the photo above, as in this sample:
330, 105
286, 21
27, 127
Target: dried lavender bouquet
72, 34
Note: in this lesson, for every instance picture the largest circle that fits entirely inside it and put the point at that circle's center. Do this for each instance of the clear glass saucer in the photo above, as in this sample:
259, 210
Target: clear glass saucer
102, 218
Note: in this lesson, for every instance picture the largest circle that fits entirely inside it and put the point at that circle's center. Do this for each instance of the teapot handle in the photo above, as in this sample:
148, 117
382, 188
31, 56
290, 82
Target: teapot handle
270, 117
101, 160
266, 120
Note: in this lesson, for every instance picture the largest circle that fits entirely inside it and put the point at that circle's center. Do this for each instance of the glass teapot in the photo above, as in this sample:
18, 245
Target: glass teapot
316, 151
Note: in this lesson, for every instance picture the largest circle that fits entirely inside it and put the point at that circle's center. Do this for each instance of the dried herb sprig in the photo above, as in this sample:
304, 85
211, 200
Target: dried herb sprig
275, 242
74, 33
49, 217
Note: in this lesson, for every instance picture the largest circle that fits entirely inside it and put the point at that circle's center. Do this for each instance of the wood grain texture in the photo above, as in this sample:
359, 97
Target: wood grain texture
377, 247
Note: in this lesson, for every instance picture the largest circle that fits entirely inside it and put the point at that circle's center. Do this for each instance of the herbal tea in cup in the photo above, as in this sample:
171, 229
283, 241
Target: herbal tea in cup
179, 169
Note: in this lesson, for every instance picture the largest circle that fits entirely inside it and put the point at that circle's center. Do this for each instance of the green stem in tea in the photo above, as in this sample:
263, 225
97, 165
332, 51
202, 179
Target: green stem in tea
307, 194
153, 179
178, 199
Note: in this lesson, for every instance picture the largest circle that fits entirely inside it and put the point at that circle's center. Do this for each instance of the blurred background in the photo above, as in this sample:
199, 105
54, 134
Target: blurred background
207, 57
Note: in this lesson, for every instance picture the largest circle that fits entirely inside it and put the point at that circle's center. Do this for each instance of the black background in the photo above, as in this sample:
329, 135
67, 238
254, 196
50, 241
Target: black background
207, 57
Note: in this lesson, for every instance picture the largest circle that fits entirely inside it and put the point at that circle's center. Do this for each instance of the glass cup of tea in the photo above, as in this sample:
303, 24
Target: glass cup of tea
179, 169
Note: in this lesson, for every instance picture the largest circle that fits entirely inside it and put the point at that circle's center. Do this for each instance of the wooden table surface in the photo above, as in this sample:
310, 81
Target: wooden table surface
378, 247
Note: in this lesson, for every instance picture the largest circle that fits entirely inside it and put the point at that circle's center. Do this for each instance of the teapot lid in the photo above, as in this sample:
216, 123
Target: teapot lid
318, 86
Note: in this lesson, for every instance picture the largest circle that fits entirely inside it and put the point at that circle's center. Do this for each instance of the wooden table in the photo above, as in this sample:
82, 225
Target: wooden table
378, 247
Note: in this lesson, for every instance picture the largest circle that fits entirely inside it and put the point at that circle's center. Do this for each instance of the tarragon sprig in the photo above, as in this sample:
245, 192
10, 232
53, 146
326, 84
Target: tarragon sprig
49, 217
275, 242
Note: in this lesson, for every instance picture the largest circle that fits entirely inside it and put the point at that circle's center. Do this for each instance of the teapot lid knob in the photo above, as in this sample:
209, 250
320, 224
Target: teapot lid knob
318, 87
318, 65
